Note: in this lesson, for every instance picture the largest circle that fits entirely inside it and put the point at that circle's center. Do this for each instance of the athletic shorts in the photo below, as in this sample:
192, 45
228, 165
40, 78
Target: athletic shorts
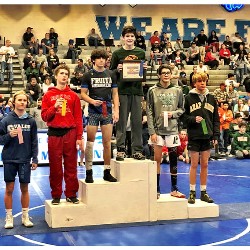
11, 170
98, 119
199, 145
169, 141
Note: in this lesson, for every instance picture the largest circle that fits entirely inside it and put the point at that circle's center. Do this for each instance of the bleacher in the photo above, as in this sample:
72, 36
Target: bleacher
215, 76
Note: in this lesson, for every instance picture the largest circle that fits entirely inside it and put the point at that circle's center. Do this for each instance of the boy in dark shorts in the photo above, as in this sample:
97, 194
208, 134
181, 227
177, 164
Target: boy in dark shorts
18, 134
102, 87
203, 127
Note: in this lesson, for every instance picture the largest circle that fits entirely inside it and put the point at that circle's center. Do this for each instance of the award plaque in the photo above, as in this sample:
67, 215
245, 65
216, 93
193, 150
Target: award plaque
133, 71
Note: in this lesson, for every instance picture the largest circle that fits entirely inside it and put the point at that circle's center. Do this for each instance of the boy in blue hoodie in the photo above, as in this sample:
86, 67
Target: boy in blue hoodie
18, 134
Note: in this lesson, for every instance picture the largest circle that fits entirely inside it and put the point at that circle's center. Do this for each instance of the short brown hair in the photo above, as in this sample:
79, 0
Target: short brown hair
128, 29
62, 66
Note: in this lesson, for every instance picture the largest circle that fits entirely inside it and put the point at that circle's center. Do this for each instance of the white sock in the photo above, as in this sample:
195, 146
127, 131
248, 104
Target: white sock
192, 187
25, 211
89, 155
203, 187
8, 211
107, 167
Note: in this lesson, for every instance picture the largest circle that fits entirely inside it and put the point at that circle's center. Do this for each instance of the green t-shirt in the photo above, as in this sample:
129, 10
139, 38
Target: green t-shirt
127, 88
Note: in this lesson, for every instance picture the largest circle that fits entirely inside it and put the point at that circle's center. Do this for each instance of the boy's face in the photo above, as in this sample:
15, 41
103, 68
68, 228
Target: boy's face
129, 39
200, 84
100, 62
242, 129
33, 81
62, 76
21, 102
225, 106
183, 134
165, 75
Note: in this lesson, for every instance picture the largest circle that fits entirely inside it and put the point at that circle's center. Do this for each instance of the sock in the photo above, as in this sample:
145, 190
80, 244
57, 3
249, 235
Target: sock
8, 211
89, 155
107, 167
203, 187
174, 182
158, 182
192, 187
25, 211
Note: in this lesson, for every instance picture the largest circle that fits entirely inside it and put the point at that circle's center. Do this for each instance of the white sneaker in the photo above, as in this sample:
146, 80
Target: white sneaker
9, 222
26, 220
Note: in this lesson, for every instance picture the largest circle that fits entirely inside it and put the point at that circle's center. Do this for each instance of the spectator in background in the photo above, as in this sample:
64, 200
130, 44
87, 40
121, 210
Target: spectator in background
9, 106
45, 71
53, 36
232, 96
210, 60
182, 150
240, 64
47, 83
94, 39
47, 44
201, 43
168, 52
191, 76
175, 74
179, 59
240, 107
80, 68
213, 41
26, 60
36, 113
2, 111
72, 52
33, 90
157, 54
33, 46
237, 40
179, 45
154, 38
140, 41
52, 59
234, 125
164, 40
27, 37
229, 45
231, 81
220, 94
224, 55
32, 70
40, 57
193, 54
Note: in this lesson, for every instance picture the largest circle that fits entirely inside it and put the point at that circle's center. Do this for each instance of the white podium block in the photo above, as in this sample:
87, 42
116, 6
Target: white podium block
202, 209
171, 208
65, 214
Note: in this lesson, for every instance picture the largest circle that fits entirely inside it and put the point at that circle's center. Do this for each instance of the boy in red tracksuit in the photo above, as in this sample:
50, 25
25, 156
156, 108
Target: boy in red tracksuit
182, 150
61, 109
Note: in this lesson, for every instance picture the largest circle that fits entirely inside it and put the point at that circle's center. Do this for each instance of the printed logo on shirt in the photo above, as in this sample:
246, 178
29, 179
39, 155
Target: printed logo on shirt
167, 99
242, 138
24, 127
101, 82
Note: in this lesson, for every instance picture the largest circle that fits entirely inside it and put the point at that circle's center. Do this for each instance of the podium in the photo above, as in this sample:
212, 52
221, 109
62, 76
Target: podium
133, 198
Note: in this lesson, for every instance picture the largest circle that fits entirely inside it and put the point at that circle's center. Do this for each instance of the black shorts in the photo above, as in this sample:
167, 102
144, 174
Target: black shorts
11, 170
199, 145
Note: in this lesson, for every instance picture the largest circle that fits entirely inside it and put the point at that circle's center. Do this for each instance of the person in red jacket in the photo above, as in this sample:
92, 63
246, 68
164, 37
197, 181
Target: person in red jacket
61, 109
224, 54
182, 150
210, 60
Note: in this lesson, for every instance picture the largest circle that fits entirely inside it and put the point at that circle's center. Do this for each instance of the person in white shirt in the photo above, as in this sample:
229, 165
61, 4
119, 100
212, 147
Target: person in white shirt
7, 53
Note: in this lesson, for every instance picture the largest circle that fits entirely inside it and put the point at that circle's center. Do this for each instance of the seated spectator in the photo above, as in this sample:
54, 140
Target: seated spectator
40, 57
232, 96
80, 68
240, 65
201, 68
47, 83
241, 142
168, 52
184, 86
53, 36
72, 52
179, 59
213, 41
179, 46
33, 46
26, 60
47, 44
231, 81
164, 40
154, 38
240, 107
224, 55
76, 82
157, 54
247, 65
220, 94
94, 39
27, 37
229, 45
9, 106
182, 150
33, 90
234, 125
237, 40
52, 59
175, 74
201, 43
193, 54
140, 40
191, 76
210, 60
109, 51
88, 64
226, 116
44, 71
36, 113
32, 70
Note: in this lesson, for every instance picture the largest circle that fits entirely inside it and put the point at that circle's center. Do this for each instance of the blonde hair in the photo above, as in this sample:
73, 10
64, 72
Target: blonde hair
19, 92
199, 77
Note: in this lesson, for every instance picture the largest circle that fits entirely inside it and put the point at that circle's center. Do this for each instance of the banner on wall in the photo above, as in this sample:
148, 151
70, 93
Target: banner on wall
43, 157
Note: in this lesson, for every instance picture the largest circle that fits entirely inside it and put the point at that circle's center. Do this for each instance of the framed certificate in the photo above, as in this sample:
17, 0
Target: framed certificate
133, 71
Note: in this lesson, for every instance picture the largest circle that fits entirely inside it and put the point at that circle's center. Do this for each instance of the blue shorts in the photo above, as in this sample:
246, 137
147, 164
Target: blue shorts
96, 119
11, 170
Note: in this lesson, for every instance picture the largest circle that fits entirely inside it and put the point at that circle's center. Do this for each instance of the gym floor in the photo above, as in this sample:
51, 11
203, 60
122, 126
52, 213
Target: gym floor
228, 185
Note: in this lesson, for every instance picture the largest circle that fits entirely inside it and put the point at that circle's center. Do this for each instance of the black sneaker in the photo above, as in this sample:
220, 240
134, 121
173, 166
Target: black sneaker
192, 196
205, 197
138, 156
120, 156
72, 200
89, 176
108, 177
55, 201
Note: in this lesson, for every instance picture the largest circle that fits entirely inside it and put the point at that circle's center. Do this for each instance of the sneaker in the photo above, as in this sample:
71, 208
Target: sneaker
192, 196
9, 222
108, 177
205, 197
55, 201
138, 156
89, 176
26, 220
120, 156
177, 194
73, 200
